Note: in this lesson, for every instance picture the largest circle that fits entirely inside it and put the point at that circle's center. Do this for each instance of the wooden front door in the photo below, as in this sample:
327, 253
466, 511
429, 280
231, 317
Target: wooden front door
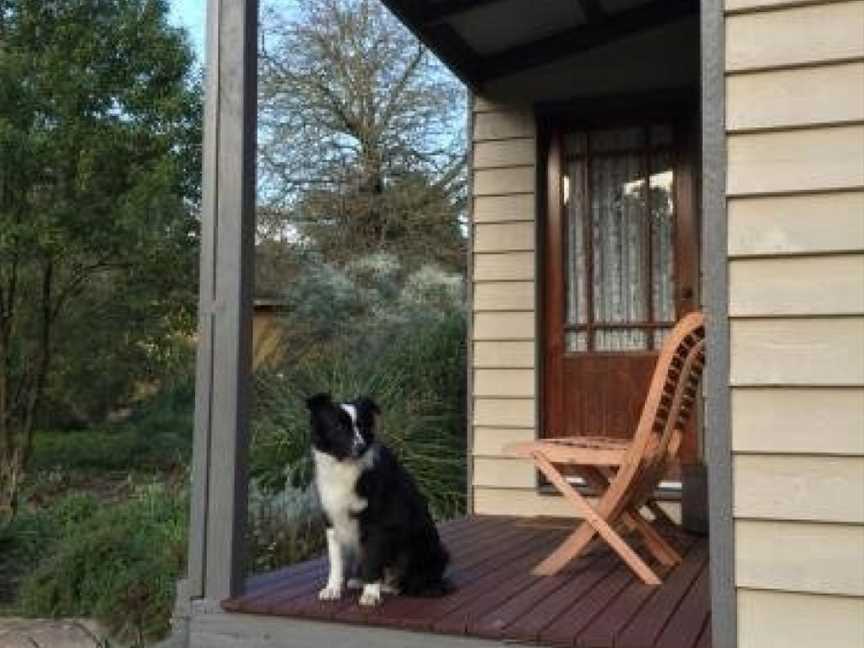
620, 266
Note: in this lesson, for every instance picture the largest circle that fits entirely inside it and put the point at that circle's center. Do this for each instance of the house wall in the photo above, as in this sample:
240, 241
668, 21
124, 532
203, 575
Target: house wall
795, 192
503, 309
504, 326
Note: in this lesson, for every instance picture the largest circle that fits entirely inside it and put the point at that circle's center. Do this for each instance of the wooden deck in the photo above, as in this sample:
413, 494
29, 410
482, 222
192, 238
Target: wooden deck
595, 603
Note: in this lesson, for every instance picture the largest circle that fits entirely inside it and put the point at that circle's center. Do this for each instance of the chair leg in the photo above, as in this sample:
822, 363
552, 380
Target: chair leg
661, 515
657, 545
598, 477
571, 547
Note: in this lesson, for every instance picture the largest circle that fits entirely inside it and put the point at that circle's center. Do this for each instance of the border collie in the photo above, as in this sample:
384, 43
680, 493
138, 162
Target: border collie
378, 524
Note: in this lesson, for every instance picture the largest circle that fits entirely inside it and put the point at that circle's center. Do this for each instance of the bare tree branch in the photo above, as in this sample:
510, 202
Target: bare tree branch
361, 130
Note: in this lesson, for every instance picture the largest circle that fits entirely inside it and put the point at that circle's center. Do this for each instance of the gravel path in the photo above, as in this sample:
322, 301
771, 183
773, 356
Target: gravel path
48, 633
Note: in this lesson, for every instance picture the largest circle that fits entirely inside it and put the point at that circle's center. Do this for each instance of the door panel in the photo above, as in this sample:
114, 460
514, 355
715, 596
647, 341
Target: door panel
605, 393
619, 269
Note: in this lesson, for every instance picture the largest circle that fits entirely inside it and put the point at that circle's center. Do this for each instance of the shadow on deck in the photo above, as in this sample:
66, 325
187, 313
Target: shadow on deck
595, 602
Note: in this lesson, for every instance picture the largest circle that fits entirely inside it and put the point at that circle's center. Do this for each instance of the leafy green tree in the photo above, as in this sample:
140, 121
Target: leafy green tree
99, 158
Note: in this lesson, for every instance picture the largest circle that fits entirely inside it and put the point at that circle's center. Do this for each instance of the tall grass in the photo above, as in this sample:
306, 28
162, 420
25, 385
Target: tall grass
416, 377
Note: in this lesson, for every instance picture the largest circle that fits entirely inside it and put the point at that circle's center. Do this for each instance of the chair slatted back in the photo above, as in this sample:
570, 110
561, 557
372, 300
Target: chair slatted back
672, 398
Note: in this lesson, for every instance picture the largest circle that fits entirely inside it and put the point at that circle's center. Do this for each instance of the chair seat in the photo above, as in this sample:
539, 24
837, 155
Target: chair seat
589, 451
607, 443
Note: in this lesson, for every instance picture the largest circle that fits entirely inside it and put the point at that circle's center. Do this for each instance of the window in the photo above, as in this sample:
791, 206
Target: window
619, 197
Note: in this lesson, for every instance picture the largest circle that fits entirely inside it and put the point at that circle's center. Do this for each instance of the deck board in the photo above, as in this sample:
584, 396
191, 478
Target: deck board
704, 640
595, 602
646, 629
564, 630
494, 623
608, 624
686, 625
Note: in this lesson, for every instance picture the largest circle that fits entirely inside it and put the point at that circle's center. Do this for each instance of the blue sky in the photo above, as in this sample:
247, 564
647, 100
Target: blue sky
190, 14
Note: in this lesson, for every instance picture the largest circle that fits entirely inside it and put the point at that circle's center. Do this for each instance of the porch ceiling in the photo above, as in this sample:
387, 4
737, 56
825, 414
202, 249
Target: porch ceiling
483, 40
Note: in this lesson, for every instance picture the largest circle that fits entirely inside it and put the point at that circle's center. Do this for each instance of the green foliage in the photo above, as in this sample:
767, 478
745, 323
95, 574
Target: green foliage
118, 564
34, 534
401, 342
283, 529
361, 244
157, 436
113, 463
140, 350
100, 125
103, 449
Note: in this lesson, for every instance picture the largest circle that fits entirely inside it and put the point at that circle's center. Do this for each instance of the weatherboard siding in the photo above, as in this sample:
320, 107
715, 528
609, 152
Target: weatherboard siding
504, 383
795, 188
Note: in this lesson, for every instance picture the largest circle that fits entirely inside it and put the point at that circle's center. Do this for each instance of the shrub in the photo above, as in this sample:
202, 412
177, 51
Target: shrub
34, 534
162, 425
157, 436
369, 328
416, 374
104, 449
118, 564
283, 529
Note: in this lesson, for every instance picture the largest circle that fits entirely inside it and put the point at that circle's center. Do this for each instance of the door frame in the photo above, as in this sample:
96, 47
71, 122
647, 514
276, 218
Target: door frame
675, 106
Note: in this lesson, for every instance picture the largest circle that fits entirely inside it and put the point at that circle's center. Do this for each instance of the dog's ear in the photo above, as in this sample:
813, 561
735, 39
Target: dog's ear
369, 405
318, 401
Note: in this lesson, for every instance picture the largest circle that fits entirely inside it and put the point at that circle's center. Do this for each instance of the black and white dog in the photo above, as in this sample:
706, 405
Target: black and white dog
378, 523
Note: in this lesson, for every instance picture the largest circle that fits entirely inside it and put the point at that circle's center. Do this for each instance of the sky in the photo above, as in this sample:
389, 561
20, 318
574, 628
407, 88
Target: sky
190, 14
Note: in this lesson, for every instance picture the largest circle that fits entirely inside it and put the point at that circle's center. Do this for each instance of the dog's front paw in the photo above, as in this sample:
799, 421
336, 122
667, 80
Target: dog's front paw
330, 593
371, 595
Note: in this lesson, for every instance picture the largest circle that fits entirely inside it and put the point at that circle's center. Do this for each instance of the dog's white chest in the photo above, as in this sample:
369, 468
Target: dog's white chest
337, 482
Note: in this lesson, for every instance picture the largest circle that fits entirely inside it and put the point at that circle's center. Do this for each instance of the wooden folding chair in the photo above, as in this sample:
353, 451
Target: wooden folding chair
626, 473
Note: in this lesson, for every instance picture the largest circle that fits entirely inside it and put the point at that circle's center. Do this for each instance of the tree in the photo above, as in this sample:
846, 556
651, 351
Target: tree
361, 147
99, 158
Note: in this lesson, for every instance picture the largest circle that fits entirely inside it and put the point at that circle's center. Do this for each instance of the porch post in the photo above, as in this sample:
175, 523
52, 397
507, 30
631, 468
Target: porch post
718, 439
219, 481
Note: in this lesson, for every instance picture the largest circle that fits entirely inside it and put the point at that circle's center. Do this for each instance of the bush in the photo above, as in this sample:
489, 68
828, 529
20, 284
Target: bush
157, 436
34, 534
369, 329
416, 374
104, 449
283, 529
118, 564
163, 424
23, 542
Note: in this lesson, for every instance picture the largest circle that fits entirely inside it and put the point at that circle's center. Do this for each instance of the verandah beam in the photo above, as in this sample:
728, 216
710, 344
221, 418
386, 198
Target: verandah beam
439, 37
593, 10
435, 12
586, 37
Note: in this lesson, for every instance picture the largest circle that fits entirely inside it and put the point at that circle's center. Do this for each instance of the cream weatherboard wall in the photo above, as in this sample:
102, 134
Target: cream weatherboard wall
795, 190
504, 315
504, 303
